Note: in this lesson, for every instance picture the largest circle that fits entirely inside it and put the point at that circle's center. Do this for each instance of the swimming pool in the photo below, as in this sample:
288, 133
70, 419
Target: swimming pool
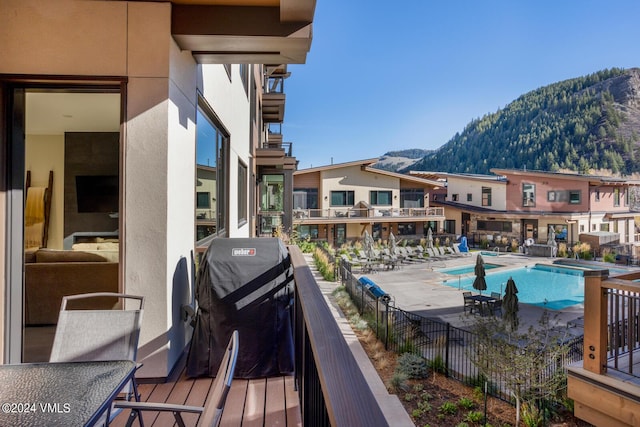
465, 269
547, 286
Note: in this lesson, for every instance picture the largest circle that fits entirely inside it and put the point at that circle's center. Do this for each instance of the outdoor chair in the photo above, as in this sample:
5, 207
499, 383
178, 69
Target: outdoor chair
468, 302
496, 295
457, 251
99, 335
495, 307
211, 413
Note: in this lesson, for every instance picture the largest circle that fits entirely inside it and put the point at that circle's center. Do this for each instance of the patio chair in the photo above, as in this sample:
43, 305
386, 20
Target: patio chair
495, 307
211, 413
98, 335
469, 303
457, 251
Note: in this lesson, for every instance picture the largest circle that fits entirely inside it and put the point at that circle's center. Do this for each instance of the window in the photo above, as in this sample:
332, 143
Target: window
574, 197
412, 198
305, 198
604, 226
242, 193
598, 195
203, 200
406, 228
380, 197
307, 231
626, 197
551, 196
454, 197
450, 226
486, 196
616, 197
342, 198
212, 166
528, 195
469, 197
560, 230
244, 76
272, 193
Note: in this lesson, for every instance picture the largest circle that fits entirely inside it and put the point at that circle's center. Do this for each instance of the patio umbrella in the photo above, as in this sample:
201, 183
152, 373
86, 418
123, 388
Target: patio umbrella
429, 238
368, 244
510, 304
552, 236
480, 283
392, 243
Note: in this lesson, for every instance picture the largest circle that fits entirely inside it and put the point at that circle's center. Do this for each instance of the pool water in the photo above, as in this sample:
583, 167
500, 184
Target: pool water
546, 286
456, 271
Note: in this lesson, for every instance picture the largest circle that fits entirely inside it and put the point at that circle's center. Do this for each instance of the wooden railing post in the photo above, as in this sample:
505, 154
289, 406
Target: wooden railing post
595, 321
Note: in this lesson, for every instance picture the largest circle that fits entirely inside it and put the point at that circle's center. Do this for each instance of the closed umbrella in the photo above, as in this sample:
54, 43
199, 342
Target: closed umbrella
510, 304
392, 243
429, 238
479, 283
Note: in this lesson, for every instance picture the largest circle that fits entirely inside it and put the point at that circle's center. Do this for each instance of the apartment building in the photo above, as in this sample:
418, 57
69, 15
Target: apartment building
128, 104
339, 202
523, 205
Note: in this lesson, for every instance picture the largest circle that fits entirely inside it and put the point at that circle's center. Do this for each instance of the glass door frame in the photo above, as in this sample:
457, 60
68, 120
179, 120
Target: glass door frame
13, 91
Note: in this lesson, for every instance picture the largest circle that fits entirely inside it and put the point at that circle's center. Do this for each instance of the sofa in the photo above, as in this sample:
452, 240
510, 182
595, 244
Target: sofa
51, 274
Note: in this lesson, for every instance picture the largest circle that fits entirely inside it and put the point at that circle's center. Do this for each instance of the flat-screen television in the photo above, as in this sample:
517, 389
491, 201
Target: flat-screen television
97, 193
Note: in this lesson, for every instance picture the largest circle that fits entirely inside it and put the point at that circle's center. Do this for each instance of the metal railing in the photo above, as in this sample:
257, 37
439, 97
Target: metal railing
623, 330
286, 146
371, 213
331, 386
445, 346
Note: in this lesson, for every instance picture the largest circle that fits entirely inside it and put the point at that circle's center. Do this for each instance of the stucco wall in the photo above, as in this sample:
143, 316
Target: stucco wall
462, 187
360, 182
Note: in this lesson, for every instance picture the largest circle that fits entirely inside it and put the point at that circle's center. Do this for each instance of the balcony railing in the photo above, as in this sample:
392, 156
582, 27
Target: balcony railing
606, 384
274, 84
377, 214
332, 388
286, 146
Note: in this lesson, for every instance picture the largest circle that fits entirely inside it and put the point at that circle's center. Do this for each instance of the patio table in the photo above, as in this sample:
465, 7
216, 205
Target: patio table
60, 394
484, 301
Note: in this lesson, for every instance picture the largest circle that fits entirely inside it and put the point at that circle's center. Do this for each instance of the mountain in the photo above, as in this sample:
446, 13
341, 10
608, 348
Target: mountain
582, 124
403, 159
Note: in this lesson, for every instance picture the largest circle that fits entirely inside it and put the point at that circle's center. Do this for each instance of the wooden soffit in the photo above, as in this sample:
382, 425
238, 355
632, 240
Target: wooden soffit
244, 32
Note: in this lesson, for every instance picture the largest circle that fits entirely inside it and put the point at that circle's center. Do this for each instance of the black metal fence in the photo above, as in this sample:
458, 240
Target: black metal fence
447, 348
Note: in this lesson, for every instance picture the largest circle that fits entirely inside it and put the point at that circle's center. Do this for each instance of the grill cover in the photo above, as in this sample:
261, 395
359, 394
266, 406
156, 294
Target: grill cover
244, 284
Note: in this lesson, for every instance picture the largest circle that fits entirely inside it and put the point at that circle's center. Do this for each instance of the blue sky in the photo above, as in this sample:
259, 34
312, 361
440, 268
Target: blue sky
384, 76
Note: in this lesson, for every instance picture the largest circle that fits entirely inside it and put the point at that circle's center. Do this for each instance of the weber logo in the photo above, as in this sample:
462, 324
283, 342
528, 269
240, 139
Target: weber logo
243, 252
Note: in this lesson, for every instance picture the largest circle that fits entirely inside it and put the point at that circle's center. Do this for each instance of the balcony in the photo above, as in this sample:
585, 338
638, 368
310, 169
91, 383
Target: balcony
273, 99
344, 214
277, 154
330, 389
606, 384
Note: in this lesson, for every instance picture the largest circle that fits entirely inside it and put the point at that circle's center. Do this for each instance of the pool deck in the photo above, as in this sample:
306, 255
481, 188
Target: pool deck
418, 288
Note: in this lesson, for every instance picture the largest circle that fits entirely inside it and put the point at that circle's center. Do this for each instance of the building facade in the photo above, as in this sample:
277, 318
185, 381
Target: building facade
520, 205
338, 203
134, 101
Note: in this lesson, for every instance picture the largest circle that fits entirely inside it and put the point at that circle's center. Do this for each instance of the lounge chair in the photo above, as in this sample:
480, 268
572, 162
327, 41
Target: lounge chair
211, 413
433, 255
496, 295
96, 335
456, 249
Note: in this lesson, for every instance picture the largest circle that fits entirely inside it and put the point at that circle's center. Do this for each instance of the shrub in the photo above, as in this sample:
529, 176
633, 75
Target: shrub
474, 417
448, 408
437, 364
398, 382
412, 365
466, 403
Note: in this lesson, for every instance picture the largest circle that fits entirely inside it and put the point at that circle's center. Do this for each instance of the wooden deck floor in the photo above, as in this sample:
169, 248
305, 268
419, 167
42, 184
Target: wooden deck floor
256, 402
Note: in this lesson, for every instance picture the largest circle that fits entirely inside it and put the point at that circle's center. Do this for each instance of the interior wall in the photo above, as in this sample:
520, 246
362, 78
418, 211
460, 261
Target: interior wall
44, 153
88, 153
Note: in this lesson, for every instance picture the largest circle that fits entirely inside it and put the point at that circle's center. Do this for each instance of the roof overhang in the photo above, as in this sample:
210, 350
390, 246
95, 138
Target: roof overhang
244, 31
